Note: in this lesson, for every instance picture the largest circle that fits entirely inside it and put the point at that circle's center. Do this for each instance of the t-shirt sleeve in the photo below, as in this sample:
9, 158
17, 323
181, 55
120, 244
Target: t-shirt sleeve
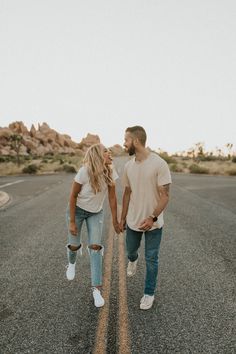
125, 179
115, 175
164, 176
81, 176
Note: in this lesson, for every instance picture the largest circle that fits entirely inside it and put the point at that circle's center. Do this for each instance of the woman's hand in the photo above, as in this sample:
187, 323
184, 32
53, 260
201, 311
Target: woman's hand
73, 229
116, 226
122, 225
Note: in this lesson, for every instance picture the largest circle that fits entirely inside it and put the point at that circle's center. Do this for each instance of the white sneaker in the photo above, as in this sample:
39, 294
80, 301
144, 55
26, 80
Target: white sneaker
146, 302
98, 299
131, 268
70, 273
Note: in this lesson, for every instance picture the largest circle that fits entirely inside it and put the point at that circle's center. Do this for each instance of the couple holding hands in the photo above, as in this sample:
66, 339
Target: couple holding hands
146, 182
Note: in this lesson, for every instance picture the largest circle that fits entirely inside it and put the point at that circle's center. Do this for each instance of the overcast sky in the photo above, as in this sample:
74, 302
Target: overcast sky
100, 66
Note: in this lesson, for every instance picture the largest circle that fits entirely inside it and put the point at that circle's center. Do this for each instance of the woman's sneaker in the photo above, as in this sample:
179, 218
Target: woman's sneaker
146, 302
70, 272
98, 299
131, 268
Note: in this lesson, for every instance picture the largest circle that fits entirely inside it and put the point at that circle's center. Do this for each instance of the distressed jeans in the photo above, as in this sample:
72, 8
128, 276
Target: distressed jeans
152, 247
94, 223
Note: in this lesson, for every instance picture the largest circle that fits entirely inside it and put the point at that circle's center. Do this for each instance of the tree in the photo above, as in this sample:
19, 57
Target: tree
16, 142
229, 147
199, 151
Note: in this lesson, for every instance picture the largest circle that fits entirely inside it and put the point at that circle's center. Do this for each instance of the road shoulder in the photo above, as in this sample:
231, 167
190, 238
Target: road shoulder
4, 198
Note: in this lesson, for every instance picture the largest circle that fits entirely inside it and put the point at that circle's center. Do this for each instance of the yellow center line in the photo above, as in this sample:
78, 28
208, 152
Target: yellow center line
101, 334
124, 338
103, 318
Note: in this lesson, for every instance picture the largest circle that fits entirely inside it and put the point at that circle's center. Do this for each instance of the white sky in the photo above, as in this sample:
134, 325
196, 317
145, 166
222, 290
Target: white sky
100, 66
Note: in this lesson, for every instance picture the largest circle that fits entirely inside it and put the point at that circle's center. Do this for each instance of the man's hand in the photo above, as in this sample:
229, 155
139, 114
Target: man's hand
146, 224
73, 229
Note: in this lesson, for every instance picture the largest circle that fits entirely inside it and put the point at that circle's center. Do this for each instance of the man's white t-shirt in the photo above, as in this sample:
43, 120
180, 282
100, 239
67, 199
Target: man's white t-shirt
87, 199
144, 178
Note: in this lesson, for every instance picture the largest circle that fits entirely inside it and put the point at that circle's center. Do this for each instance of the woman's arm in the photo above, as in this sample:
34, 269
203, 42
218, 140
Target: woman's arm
113, 206
76, 188
125, 206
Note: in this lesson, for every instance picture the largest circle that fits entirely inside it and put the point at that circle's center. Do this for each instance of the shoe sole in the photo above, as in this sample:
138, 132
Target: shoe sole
146, 308
68, 278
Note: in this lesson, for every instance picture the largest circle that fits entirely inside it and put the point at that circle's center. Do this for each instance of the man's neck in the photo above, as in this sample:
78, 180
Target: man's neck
141, 154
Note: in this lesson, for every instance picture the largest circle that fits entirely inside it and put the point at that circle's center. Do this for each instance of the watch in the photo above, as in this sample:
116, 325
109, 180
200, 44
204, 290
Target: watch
154, 217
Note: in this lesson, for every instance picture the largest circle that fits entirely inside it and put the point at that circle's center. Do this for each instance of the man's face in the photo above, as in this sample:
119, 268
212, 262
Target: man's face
129, 144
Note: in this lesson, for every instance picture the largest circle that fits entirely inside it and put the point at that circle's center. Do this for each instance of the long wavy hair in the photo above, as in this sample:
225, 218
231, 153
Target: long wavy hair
98, 171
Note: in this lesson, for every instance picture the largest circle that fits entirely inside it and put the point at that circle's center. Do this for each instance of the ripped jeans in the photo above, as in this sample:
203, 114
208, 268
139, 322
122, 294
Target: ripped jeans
94, 223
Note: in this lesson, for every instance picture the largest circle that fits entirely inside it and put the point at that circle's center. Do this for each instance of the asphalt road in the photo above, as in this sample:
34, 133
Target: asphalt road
194, 309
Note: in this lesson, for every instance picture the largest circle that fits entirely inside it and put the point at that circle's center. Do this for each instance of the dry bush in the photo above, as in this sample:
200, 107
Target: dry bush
194, 168
232, 172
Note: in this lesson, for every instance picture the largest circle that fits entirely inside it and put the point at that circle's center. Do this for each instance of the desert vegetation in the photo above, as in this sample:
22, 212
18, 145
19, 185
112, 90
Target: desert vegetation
198, 160
203, 163
39, 165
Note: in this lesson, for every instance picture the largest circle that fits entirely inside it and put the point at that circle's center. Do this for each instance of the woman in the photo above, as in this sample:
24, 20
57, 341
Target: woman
87, 196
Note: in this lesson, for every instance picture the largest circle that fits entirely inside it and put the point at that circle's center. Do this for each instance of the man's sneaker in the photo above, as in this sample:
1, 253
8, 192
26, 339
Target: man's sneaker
70, 273
131, 268
98, 299
146, 302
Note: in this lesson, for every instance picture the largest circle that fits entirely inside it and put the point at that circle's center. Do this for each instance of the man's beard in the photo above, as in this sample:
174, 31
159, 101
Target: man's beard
131, 150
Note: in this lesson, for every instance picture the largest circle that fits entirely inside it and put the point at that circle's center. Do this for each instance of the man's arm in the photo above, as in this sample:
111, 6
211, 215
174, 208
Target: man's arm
125, 206
163, 191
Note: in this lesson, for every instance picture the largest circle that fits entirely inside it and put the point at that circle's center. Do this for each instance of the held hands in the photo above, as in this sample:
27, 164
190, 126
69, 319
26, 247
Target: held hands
116, 226
73, 229
146, 224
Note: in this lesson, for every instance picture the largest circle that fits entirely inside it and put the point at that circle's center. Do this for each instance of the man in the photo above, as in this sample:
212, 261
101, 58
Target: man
146, 194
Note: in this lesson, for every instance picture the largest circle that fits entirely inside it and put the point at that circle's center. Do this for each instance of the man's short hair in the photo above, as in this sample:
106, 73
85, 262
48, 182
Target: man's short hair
138, 132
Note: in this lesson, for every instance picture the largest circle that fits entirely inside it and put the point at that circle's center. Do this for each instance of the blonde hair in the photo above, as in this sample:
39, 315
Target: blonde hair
98, 171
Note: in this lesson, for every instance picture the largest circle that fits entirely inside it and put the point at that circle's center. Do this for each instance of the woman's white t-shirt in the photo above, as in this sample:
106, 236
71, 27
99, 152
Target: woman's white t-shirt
87, 199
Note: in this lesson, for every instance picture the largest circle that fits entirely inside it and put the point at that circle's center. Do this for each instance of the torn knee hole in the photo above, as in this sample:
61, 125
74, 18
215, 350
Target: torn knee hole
95, 247
74, 248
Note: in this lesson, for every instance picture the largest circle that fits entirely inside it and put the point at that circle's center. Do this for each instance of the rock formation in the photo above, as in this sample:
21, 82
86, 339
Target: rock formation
42, 141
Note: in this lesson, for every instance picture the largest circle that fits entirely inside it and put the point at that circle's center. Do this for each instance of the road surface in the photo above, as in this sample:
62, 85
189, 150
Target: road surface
194, 308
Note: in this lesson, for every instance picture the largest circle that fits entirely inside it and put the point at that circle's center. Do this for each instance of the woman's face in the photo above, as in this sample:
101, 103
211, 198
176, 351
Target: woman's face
107, 156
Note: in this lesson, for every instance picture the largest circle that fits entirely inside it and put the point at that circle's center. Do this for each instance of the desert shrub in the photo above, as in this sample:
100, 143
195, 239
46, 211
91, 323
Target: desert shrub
184, 164
231, 172
7, 158
49, 155
174, 167
194, 168
27, 158
207, 158
58, 169
69, 168
3, 159
167, 158
234, 159
32, 168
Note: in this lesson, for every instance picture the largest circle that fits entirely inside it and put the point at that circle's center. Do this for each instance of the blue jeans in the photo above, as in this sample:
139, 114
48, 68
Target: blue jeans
94, 223
152, 246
